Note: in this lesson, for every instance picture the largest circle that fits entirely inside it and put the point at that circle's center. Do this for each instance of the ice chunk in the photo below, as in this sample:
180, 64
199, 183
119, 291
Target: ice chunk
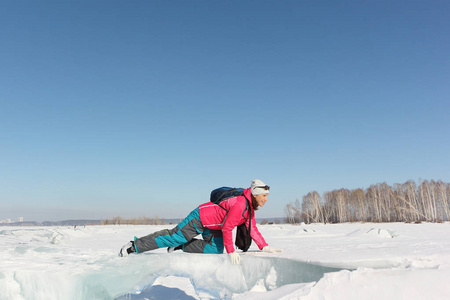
259, 287
215, 275
271, 279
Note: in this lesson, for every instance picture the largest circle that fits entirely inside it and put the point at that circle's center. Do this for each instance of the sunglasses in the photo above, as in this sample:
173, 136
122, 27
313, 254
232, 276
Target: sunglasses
266, 187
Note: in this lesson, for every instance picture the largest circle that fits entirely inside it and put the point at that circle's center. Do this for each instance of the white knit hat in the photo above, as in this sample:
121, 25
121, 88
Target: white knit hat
258, 187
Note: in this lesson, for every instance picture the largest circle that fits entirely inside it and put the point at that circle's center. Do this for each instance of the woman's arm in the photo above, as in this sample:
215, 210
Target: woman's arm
231, 221
256, 235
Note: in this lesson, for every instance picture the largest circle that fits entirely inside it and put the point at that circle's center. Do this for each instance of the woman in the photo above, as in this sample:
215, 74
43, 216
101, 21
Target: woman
215, 223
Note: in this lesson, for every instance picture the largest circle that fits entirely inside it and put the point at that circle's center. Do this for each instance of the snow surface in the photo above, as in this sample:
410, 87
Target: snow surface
333, 261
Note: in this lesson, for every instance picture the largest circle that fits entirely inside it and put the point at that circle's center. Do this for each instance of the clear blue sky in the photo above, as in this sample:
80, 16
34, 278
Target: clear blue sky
137, 108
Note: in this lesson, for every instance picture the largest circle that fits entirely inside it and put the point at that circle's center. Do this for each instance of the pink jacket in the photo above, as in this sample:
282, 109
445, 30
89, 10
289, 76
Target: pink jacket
216, 218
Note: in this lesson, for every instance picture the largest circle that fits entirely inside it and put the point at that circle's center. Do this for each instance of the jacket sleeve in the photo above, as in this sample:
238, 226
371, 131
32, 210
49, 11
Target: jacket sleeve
256, 235
232, 220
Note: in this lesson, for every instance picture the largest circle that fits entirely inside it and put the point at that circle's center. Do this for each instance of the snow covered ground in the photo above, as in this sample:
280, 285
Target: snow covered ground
339, 261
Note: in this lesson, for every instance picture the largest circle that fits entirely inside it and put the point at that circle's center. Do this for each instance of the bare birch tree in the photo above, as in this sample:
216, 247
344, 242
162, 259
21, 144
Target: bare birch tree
408, 202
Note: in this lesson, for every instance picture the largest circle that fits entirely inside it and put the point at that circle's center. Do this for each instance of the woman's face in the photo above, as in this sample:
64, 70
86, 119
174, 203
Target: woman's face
261, 199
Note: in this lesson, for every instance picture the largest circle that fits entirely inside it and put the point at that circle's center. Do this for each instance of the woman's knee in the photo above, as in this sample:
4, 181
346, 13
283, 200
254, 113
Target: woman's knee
215, 247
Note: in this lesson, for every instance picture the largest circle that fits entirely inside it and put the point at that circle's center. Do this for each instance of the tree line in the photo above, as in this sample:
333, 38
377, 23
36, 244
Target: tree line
408, 202
133, 221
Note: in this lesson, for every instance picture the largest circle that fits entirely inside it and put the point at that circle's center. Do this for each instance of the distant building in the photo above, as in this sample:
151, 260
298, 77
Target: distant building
8, 221
20, 219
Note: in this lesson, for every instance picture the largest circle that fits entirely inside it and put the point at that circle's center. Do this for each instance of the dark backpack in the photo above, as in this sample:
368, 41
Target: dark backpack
243, 238
220, 194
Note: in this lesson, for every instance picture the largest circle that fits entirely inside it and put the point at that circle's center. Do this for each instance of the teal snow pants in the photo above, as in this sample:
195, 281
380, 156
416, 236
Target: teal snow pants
183, 235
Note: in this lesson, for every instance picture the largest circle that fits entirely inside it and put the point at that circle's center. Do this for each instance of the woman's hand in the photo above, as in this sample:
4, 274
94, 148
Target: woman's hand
271, 250
235, 258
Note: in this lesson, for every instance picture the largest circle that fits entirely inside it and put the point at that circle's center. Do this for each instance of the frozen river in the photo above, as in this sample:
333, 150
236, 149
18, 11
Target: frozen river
334, 261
